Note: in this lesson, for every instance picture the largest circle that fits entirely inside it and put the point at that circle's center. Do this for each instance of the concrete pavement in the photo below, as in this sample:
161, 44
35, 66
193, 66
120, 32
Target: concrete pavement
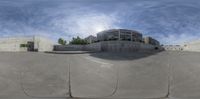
100, 75
30, 75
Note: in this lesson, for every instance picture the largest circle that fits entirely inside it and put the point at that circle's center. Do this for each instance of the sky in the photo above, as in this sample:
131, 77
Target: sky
169, 21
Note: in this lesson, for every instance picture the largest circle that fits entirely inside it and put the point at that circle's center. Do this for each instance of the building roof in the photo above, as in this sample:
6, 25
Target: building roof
105, 31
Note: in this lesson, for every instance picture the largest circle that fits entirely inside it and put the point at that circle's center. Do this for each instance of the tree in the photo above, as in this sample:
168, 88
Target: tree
62, 41
78, 41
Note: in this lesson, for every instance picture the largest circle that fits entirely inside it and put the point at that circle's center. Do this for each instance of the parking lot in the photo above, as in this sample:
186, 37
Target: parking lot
136, 75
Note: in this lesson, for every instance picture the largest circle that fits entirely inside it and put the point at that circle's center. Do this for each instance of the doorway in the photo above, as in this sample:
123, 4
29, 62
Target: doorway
30, 46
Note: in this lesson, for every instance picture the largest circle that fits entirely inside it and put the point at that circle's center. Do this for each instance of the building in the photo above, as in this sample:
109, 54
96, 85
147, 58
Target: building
119, 35
91, 39
188, 46
115, 40
150, 40
173, 47
192, 46
31, 43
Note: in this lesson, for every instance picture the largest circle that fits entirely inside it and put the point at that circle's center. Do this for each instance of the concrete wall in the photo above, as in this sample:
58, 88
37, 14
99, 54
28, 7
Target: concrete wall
148, 47
43, 44
68, 47
113, 46
89, 47
122, 46
92, 47
12, 44
192, 46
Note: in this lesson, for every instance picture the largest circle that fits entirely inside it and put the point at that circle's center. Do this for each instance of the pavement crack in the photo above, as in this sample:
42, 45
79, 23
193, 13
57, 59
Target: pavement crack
169, 77
69, 74
117, 83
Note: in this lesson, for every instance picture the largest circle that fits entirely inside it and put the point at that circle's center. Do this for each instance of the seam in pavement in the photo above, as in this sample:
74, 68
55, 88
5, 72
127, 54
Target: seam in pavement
102, 97
116, 87
169, 77
106, 97
117, 83
69, 71
27, 94
117, 75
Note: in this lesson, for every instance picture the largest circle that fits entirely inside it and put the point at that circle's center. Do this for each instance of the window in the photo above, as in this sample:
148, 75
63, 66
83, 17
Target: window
23, 45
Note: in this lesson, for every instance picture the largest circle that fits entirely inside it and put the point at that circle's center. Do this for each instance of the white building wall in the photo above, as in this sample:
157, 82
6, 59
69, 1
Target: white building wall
43, 44
192, 46
12, 44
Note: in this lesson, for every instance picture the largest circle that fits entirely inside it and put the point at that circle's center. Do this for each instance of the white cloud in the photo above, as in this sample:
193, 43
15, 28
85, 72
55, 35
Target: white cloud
84, 25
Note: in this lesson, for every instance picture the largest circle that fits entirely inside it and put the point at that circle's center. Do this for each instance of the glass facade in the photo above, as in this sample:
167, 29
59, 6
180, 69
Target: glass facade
119, 34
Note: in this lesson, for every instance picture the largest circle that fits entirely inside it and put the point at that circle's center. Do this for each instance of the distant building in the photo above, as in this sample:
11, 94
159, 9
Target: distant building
150, 40
31, 43
173, 47
119, 35
91, 39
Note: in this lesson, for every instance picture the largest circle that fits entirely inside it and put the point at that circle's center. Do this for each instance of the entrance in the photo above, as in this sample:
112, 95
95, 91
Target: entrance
30, 46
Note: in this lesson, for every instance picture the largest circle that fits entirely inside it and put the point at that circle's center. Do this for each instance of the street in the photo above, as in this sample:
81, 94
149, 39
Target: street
167, 74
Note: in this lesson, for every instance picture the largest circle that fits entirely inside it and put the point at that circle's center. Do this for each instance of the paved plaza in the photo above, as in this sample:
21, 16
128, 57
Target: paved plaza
142, 75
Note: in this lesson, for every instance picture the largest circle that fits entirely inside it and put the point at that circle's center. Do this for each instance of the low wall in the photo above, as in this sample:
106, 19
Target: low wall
92, 47
68, 47
148, 47
89, 47
113, 46
122, 46
118, 46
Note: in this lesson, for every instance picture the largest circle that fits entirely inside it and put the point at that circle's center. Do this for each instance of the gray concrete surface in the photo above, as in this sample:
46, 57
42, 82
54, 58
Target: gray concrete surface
33, 75
185, 71
172, 75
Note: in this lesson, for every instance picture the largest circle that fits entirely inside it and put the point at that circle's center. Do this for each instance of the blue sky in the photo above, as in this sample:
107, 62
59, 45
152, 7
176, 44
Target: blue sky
170, 21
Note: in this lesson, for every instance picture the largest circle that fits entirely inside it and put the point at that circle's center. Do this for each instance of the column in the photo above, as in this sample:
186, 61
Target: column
119, 33
131, 36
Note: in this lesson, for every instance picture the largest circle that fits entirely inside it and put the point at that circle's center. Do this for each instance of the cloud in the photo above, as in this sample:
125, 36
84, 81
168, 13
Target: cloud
84, 25
171, 22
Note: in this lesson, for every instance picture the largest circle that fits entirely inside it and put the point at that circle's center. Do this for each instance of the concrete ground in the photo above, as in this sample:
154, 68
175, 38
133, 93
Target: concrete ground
32, 75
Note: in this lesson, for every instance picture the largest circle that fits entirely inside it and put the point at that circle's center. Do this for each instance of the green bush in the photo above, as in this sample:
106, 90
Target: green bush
78, 41
62, 41
23, 45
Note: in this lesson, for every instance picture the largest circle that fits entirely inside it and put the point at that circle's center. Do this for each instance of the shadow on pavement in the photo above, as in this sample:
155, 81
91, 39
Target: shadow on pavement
123, 55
